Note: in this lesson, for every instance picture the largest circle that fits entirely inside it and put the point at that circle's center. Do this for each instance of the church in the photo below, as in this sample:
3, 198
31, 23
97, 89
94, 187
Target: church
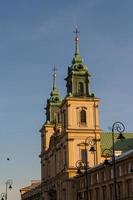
72, 140
68, 123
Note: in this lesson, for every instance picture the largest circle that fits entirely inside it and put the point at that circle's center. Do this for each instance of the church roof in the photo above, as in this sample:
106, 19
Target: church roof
77, 65
120, 145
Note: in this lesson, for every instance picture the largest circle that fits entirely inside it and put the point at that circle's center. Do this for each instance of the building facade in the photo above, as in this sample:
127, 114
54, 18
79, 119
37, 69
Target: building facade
69, 134
101, 180
32, 192
68, 123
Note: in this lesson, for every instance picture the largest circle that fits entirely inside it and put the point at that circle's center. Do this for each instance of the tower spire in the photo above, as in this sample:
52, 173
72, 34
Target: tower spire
54, 78
55, 89
77, 52
54, 101
78, 75
77, 57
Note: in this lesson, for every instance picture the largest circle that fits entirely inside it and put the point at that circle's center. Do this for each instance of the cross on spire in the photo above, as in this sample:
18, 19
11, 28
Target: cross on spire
54, 93
54, 70
54, 77
76, 32
77, 52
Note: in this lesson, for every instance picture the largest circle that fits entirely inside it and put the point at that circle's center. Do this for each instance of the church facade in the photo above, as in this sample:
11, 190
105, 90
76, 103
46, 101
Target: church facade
69, 123
73, 146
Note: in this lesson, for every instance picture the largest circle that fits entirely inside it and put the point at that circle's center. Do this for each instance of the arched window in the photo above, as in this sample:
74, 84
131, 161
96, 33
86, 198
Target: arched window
83, 116
80, 88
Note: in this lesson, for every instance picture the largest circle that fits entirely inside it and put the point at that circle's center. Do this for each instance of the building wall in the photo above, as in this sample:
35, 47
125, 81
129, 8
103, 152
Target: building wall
100, 181
64, 147
32, 192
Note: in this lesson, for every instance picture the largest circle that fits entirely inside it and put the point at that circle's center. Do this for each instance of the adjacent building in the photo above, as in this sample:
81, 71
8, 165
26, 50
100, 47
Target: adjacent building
31, 192
101, 180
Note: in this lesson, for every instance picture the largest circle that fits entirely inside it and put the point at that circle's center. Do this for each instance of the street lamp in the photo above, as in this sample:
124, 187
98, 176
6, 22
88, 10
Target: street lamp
82, 166
119, 128
3, 195
107, 153
89, 142
8, 183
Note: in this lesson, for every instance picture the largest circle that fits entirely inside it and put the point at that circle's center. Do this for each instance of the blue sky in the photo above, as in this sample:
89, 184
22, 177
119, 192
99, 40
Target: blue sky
35, 35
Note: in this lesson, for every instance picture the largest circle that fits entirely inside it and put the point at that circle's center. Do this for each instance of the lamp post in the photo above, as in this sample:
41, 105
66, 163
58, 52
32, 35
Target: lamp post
82, 166
3, 195
8, 183
119, 128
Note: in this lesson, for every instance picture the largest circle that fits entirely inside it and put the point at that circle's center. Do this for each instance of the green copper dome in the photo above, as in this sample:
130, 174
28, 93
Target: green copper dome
54, 102
78, 76
77, 62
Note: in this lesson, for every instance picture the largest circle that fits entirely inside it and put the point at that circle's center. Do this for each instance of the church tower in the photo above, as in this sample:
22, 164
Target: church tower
78, 75
52, 121
52, 113
53, 103
80, 112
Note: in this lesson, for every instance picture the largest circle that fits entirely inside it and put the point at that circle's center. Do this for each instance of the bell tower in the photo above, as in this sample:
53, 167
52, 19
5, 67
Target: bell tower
78, 78
53, 102
80, 111
52, 114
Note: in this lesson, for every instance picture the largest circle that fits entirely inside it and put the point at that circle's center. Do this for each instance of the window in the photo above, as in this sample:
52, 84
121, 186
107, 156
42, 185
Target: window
82, 183
130, 167
102, 176
85, 195
129, 187
79, 195
119, 190
90, 195
90, 180
119, 171
97, 177
97, 194
78, 184
111, 191
83, 155
64, 194
104, 192
80, 88
94, 177
83, 116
